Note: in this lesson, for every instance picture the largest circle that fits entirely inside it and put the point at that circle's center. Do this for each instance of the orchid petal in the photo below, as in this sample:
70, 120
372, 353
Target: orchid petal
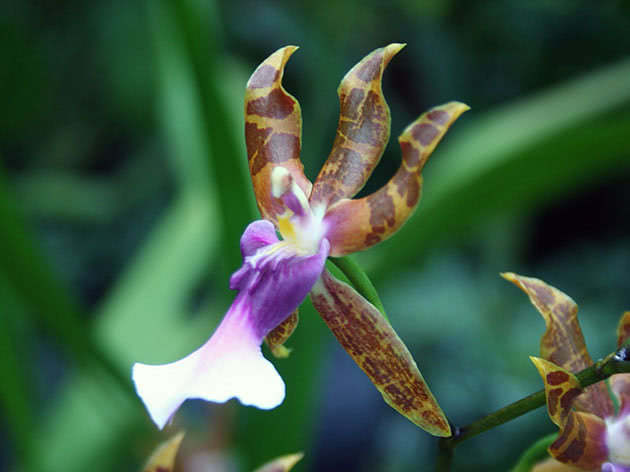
374, 345
561, 389
258, 234
582, 438
229, 365
582, 442
362, 133
163, 458
620, 386
623, 329
563, 341
272, 282
552, 465
355, 225
273, 131
279, 335
281, 464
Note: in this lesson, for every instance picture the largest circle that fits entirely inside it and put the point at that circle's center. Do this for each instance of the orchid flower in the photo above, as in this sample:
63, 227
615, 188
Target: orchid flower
592, 435
314, 220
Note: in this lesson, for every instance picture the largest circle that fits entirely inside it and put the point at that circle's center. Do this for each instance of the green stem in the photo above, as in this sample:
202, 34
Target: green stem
359, 281
534, 453
614, 363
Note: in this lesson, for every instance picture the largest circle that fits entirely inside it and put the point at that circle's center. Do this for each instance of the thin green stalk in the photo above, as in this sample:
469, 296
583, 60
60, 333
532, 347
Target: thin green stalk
534, 454
614, 363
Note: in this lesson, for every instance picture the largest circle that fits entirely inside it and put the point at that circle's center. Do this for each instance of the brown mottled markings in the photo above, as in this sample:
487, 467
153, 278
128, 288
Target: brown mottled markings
440, 117
351, 103
425, 133
431, 417
363, 129
377, 350
349, 169
255, 138
575, 449
371, 239
552, 400
274, 105
565, 434
264, 76
281, 333
371, 69
557, 377
279, 148
411, 155
382, 211
567, 399
407, 182
542, 292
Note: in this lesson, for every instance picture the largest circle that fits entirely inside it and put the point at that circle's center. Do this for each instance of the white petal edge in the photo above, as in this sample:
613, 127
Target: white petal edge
210, 375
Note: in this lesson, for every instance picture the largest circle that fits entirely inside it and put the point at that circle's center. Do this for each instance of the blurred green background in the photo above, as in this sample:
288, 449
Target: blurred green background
124, 190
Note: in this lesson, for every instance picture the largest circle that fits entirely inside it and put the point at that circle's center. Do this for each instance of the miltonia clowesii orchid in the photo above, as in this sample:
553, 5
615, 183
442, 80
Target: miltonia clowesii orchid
314, 220
594, 427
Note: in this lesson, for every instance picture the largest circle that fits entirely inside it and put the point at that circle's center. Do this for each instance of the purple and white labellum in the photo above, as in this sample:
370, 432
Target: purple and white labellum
274, 279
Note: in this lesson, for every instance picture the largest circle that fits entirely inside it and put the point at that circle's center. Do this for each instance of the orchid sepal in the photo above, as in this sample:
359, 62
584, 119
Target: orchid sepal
376, 348
273, 131
357, 224
362, 132
582, 438
563, 342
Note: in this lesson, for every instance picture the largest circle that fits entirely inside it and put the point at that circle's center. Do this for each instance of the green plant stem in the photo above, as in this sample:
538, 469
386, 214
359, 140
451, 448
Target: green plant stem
534, 453
360, 281
614, 363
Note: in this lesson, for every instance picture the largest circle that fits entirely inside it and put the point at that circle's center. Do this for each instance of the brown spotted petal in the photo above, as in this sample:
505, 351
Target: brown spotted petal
355, 225
163, 458
563, 341
623, 329
273, 131
279, 335
281, 464
374, 345
620, 386
561, 389
362, 133
582, 441
582, 438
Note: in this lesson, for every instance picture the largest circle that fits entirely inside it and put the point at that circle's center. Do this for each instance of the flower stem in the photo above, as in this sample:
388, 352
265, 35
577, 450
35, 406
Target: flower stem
359, 281
534, 453
614, 363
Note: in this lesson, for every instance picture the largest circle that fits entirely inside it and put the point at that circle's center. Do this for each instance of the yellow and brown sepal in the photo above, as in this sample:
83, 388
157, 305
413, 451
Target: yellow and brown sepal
582, 438
163, 457
376, 348
563, 342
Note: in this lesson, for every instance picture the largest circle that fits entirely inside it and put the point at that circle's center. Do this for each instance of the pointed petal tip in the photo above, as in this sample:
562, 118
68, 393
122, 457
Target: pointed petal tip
163, 457
270, 71
282, 464
392, 49
149, 384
